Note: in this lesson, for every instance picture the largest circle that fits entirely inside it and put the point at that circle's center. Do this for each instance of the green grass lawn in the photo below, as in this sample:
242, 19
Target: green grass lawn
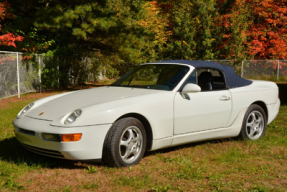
217, 165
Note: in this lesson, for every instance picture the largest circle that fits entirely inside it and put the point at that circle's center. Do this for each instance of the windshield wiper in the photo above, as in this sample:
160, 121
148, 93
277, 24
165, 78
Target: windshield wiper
117, 85
141, 86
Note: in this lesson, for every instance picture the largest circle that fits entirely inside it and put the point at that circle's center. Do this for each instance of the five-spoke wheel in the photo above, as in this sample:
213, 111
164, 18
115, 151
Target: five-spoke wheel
130, 144
254, 123
125, 143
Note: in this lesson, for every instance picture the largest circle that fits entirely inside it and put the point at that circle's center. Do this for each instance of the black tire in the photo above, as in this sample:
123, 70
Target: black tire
116, 154
253, 130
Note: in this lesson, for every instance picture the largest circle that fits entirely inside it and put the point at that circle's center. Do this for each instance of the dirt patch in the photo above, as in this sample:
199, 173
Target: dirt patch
5, 102
89, 85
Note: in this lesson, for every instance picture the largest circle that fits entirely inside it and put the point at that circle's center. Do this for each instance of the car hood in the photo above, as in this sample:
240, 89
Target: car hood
65, 104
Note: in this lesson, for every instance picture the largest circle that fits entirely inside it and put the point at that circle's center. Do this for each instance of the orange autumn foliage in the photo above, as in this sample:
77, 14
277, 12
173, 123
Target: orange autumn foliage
9, 38
268, 33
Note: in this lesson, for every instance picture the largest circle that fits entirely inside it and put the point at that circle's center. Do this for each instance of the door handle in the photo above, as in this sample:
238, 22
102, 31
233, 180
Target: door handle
224, 98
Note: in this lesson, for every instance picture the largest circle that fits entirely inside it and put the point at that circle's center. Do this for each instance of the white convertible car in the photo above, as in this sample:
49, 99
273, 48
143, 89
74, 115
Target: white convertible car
155, 105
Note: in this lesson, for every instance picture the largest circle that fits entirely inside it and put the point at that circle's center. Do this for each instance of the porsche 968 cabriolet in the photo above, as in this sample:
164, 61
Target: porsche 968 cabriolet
155, 105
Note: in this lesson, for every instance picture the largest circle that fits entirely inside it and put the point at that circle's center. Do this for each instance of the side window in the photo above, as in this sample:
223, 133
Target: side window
210, 79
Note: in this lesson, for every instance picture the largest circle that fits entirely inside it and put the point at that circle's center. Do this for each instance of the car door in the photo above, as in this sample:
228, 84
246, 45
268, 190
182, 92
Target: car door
205, 110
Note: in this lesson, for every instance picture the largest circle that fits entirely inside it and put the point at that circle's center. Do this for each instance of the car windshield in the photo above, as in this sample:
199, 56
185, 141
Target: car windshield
153, 76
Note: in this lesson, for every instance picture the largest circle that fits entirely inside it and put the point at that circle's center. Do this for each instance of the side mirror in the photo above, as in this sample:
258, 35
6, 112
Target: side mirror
191, 88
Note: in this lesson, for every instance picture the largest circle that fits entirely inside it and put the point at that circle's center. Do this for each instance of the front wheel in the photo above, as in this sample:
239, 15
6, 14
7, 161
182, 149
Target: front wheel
125, 143
254, 123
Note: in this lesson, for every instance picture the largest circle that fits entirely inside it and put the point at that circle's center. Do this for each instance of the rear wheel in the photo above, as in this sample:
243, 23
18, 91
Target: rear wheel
125, 143
254, 123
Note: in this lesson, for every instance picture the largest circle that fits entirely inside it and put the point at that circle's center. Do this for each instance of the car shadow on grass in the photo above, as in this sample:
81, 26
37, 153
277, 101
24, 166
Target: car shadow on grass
12, 151
188, 145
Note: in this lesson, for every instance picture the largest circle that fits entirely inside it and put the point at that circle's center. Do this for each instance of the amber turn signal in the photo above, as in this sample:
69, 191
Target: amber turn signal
71, 137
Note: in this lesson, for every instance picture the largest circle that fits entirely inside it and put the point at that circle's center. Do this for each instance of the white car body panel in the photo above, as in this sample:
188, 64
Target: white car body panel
219, 133
82, 99
243, 97
161, 115
201, 111
273, 110
173, 119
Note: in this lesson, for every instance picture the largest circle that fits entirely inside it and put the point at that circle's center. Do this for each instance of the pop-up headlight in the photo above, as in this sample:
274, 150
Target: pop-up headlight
73, 116
25, 110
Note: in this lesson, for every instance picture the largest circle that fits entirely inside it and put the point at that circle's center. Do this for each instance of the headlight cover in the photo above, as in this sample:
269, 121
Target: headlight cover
25, 110
73, 116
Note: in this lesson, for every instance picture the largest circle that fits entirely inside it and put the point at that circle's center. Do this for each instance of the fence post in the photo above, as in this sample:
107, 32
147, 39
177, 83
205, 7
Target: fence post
242, 69
278, 71
40, 81
18, 75
58, 68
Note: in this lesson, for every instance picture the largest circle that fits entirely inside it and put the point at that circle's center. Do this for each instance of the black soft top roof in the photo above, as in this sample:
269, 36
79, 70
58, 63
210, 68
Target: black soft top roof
232, 79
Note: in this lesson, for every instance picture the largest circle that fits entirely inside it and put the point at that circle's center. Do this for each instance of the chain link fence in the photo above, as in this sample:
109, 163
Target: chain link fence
271, 70
19, 73
22, 73
8, 72
264, 70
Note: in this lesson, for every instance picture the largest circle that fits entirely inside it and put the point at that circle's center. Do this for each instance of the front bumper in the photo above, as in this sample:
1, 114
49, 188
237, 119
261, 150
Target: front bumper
29, 133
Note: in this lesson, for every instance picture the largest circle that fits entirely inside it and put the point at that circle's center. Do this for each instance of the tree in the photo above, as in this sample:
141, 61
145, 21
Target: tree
7, 39
268, 32
110, 27
181, 43
194, 34
155, 34
235, 20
